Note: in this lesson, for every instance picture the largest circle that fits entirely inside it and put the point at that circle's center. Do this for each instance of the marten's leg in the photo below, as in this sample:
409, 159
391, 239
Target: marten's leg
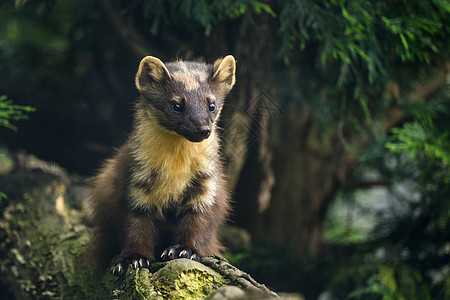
196, 234
139, 238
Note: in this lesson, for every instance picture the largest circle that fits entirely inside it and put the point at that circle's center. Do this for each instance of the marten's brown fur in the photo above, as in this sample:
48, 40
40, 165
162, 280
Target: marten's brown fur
165, 186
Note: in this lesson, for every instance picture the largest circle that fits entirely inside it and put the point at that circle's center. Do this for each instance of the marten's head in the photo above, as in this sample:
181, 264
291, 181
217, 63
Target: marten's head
185, 97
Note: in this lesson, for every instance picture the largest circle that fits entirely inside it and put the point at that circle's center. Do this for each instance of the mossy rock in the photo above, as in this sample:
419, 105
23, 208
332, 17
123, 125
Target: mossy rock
212, 279
176, 279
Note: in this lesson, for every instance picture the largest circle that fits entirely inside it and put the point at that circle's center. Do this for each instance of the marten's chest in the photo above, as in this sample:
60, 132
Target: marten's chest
172, 173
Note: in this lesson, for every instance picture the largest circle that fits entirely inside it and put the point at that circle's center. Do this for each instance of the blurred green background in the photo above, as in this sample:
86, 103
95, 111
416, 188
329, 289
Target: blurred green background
335, 137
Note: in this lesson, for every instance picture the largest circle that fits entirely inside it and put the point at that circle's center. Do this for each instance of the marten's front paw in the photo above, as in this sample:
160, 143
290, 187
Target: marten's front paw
177, 251
135, 260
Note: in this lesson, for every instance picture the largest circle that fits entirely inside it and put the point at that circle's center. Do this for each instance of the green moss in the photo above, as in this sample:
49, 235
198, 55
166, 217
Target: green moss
177, 279
144, 286
192, 284
48, 242
186, 279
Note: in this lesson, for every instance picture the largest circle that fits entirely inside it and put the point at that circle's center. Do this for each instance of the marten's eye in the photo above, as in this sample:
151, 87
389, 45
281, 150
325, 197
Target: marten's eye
212, 107
177, 107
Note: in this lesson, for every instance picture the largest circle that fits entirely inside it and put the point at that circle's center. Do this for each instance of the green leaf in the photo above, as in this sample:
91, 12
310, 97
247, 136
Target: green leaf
10, 111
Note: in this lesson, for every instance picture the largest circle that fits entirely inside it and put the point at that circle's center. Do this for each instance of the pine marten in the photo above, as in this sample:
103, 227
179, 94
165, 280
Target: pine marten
165, 187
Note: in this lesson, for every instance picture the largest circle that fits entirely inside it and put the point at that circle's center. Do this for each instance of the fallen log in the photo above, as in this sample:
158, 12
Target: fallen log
43, 243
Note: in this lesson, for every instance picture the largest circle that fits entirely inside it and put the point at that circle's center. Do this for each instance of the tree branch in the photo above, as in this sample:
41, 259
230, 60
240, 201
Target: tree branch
422, 90
137, 45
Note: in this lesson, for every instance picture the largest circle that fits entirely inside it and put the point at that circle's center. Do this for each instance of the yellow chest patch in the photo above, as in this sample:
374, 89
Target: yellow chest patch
174, 160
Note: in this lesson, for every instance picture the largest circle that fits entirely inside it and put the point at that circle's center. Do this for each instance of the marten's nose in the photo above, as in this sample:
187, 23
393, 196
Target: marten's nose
204, 131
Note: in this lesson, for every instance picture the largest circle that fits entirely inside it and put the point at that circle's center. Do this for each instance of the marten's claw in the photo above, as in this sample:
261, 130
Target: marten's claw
118, 269
135, 260
178, 251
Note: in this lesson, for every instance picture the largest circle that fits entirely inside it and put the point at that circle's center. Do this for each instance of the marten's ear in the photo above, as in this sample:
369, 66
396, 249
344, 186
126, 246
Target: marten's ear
151, 73
224, 72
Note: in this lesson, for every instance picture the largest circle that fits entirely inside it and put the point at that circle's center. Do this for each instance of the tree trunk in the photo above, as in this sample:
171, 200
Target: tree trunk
308, 173
254, 73
283, 174
285, 184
